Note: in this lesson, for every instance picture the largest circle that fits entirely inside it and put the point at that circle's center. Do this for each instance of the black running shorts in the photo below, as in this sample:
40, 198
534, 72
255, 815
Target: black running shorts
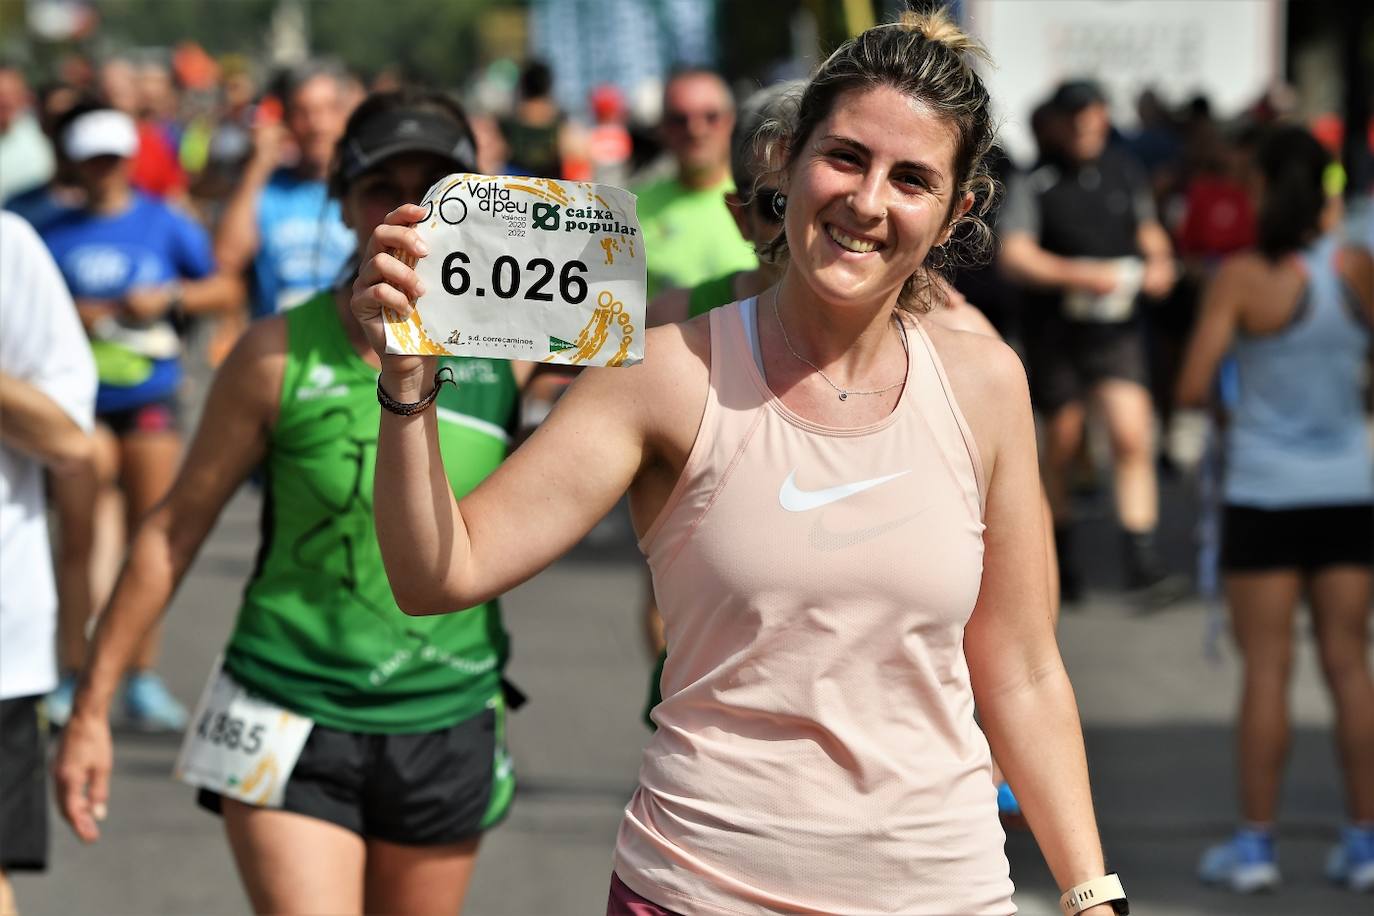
161, 416
1065, 359
425, 789
23, 785
1306, 539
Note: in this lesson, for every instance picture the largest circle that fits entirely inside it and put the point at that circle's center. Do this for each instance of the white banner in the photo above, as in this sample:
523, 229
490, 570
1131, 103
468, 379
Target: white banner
1228, 50
528, 268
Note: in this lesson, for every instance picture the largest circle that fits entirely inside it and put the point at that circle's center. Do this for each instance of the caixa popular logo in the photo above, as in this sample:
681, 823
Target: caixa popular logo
595, 221
545, 216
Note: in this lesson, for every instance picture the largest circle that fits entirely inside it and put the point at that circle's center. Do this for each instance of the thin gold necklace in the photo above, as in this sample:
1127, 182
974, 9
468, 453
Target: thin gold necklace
843, 392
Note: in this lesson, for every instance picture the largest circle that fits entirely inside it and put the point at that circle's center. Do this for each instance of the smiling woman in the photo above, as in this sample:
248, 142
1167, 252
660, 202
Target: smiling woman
839, 502
945, 99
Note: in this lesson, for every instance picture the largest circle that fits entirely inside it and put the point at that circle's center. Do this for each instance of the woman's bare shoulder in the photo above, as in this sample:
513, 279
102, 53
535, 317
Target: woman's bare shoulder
674, 372
260, 352
1243, 269
988, 382
978, 363
674, 347
959, 314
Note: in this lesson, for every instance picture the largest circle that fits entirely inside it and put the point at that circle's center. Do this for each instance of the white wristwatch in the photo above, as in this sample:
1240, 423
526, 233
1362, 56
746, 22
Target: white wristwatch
1096, 892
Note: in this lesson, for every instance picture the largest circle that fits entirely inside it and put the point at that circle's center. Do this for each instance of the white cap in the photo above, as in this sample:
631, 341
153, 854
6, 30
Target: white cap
100, 133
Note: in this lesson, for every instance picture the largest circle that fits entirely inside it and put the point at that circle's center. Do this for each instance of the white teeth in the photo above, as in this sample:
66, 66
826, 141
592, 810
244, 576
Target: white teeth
849, 243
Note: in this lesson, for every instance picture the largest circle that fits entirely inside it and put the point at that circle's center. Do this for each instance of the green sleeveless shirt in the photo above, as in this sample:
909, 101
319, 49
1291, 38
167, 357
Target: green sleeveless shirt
318, 631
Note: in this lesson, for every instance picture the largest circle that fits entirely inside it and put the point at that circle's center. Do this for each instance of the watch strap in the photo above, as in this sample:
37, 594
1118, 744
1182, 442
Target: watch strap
1096, 892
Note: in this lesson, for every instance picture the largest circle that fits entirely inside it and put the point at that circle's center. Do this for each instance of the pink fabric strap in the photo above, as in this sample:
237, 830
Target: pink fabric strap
625, 902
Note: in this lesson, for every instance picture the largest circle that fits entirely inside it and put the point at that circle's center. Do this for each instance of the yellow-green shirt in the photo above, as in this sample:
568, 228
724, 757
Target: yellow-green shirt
689, 236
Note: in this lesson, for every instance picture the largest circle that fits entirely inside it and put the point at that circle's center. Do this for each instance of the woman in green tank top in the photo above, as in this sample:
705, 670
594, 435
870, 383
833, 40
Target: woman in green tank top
356, 754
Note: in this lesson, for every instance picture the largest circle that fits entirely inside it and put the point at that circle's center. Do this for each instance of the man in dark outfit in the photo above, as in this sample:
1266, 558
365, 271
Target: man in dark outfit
1079, 231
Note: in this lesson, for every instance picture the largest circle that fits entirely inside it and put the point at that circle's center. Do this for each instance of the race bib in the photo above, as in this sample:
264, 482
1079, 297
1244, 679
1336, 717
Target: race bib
527, 268
239, 745
1113, 307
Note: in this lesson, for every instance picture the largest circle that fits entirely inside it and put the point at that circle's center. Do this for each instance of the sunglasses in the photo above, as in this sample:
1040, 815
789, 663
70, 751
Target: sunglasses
678, 120
380, 189
766, 204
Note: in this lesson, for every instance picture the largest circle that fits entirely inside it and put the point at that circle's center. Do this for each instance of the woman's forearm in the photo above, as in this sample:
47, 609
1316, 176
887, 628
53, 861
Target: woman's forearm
93, 311
236, 243
33, 423
1035, 735
216, 293
421, 533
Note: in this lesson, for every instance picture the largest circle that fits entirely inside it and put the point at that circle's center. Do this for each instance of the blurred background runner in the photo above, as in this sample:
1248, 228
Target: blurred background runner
26, 158
1298, 521
540, 138
687, 229
1080, 231
136, 268
154, 167
280, 224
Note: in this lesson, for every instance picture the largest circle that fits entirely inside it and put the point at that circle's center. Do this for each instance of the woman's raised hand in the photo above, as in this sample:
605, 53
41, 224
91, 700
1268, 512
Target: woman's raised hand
386, 281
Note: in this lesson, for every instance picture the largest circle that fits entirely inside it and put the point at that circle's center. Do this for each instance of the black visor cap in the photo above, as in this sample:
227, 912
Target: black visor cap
392, 133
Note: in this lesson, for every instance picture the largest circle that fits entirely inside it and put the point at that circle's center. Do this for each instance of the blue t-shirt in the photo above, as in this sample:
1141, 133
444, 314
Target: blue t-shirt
303, 242
38, 206
105, 256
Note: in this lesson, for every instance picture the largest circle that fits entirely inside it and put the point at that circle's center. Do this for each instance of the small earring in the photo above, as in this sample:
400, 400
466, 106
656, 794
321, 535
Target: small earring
944, 258
779, 205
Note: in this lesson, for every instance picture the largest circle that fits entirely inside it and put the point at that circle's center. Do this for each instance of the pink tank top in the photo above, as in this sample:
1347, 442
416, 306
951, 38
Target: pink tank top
816, 750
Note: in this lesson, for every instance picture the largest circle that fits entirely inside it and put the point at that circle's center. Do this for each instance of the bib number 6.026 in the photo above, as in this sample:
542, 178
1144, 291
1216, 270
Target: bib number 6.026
506, 278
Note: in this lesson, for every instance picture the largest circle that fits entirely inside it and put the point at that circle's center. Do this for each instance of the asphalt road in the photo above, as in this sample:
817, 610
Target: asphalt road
1156, 712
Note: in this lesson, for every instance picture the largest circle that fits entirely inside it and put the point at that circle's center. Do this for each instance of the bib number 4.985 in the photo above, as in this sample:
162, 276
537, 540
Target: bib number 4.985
224, 730
242, 746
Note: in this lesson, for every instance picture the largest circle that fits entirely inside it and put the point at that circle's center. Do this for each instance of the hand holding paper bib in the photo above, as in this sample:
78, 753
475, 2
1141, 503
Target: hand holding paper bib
524, 268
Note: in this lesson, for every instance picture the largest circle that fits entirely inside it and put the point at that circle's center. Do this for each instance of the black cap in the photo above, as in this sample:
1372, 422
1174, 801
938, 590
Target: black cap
403, 130
1073, 96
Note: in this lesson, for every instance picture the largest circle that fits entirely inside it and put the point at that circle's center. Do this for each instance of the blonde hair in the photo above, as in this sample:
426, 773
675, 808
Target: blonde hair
936, 26
927, 57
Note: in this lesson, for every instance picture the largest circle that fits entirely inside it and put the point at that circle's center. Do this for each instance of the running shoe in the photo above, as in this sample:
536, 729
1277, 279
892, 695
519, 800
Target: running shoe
1246, 863
1149, 584
59, 702
1009, 809
149, 705
1352, 860
1006, 800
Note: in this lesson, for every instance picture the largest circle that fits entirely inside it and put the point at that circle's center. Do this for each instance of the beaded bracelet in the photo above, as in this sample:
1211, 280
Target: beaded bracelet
441, 378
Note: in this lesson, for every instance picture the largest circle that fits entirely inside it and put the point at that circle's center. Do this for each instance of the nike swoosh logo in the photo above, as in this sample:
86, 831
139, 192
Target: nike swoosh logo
794, 499
823, 539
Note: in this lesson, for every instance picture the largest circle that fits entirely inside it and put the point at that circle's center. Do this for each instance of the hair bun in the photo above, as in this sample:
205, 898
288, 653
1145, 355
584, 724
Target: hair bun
937, 26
